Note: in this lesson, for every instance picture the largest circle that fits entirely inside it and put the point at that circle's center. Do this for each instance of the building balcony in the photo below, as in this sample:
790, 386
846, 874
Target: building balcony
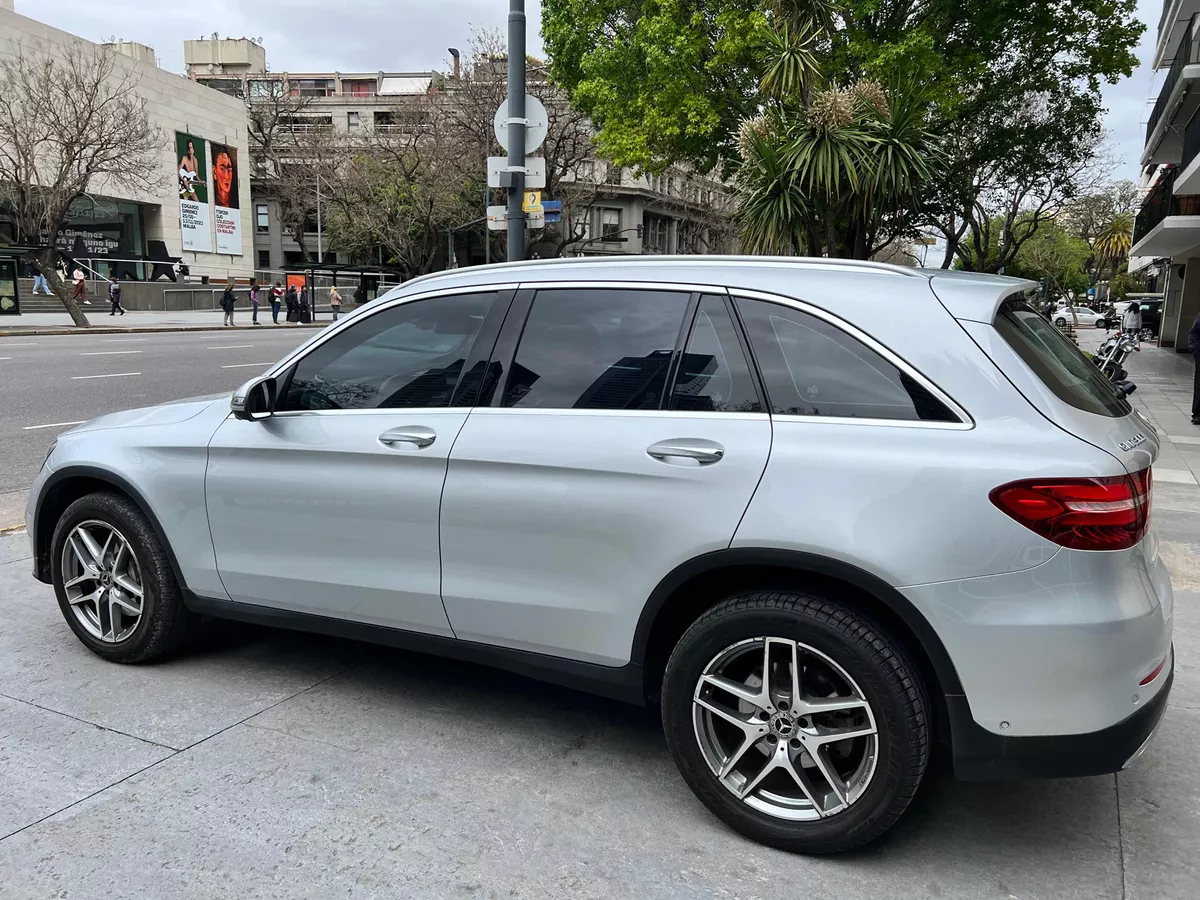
1177, 101
1176, 15
1168, 223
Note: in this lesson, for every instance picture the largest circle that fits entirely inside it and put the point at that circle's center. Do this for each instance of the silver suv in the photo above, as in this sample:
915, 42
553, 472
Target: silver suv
828, 515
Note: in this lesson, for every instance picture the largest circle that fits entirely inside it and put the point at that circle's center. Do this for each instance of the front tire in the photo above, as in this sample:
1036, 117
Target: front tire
114, 581
821, 757
1060, 322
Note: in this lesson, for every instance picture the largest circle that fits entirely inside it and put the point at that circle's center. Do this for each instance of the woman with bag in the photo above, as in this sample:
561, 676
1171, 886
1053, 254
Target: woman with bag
335, 302
227, 302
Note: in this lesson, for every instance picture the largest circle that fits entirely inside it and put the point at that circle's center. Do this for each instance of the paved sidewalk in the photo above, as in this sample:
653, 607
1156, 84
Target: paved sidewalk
54, 323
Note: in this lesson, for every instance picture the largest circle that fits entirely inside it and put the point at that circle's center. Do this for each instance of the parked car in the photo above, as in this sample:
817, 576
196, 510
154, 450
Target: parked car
1082, 315
820, 535
1151, 318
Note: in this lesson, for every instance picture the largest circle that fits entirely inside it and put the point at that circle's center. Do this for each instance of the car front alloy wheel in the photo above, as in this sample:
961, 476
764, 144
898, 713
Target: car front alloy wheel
102, 581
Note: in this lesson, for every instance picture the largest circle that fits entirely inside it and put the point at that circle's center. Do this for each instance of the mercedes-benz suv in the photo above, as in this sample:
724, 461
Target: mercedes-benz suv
825, 514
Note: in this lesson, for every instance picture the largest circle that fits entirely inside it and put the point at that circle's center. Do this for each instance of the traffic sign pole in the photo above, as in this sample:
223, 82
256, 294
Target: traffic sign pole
516, 128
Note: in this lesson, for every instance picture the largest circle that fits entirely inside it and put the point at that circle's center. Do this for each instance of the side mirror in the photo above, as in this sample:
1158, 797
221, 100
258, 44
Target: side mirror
254, 400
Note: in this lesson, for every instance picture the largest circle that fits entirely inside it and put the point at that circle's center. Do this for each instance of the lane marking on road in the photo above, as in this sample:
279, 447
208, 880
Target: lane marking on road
21, 344
109, 352
5, 357
125, 340
113, 375
231, 347
248, 365
52, 425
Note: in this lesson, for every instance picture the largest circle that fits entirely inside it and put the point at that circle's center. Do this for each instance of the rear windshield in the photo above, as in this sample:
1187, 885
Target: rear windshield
1059, 363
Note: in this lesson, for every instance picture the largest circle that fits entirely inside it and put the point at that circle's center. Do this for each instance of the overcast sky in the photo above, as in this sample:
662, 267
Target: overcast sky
400, 35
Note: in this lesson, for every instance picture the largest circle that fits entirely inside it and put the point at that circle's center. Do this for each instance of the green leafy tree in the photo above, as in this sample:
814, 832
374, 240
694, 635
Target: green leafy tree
1013, 88
1055, 254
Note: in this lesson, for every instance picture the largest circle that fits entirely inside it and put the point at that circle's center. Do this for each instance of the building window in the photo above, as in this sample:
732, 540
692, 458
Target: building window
262, 221
264, 259
610, 224
353, 121
359, 88
656, 228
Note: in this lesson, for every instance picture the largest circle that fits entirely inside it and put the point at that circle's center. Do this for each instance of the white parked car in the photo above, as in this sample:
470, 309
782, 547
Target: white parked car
1082, 316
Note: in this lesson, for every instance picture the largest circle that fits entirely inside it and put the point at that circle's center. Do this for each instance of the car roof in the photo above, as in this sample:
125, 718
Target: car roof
967, 295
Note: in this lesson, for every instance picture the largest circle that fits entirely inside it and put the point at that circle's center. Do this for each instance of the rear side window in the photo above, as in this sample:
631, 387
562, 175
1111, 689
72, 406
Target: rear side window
713, 373
596, 349
813, 368
1056, 361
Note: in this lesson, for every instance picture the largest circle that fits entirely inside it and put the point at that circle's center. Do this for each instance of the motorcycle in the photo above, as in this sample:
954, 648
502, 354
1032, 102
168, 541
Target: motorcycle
1111, 357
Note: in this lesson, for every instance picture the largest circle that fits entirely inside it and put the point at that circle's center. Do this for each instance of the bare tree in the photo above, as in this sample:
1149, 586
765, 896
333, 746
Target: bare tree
71, 123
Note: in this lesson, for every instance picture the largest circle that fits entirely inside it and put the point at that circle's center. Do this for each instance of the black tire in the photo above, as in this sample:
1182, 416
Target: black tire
1101, 323
165, 622
1060, 322
864, 650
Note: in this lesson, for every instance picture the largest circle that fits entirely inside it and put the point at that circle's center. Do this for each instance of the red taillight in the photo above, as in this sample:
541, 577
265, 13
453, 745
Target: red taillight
1081, 513
1157, 671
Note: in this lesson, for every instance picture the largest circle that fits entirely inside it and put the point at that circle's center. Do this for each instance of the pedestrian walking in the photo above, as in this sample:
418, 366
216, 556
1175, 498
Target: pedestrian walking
1194, 346
227, 302
293, 307
335, 302
114, 297
254, 304
80, 286
276, 301
1131, 322
39, 280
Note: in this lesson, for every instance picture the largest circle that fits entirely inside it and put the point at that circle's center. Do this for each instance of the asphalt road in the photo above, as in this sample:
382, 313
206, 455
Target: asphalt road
49, 383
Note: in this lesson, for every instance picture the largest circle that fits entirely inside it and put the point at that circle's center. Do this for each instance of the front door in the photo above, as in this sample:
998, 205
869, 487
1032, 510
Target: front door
590, 477
331, 506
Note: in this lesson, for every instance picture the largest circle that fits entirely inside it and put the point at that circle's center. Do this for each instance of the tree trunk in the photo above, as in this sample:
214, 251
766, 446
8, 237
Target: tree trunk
48, 262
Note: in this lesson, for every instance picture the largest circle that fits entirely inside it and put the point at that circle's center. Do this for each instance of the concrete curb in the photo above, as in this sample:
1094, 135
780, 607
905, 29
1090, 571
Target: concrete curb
137, 329
11, 529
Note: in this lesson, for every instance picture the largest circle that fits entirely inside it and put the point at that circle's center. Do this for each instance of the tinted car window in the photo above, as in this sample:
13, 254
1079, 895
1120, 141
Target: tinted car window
1060, 365
813, 368
596, 349
713, 373
408, 356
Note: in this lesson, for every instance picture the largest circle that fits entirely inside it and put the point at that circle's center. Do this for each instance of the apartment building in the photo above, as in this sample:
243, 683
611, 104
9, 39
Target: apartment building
1166, 237
620, 212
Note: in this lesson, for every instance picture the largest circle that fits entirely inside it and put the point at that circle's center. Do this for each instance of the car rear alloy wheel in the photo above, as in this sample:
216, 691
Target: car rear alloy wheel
102, 581
785, 729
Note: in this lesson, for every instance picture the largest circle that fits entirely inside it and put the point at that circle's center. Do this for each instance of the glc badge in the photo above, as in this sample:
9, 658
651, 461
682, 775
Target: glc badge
1133, 442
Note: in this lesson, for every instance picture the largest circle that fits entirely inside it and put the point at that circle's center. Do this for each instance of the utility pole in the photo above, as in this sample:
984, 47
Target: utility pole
516, 128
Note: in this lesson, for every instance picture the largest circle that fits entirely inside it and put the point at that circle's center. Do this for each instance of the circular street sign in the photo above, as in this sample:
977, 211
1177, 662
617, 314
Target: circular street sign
535, 131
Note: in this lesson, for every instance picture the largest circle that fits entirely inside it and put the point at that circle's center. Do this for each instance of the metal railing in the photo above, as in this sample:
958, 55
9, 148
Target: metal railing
1161, 202
1191, 141
1185, 54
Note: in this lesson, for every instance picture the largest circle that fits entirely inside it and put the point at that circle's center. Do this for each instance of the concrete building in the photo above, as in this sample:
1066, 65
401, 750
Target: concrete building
112, 224
678, 212
1166, 237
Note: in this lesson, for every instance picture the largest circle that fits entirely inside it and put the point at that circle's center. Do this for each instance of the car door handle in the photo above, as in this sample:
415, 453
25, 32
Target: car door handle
704, 452
409, 434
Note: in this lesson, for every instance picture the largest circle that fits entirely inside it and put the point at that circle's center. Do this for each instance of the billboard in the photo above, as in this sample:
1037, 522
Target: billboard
194, 224
225, 191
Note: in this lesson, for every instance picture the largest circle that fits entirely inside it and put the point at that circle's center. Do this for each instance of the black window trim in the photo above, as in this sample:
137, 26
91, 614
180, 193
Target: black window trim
965, 423
488, 334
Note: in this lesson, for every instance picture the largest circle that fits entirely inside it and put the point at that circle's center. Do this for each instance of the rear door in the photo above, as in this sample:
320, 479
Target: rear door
588, 479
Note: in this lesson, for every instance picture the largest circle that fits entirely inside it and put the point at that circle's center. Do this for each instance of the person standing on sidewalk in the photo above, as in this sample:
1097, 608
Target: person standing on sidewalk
1194, 346
114, 297
276, 301
254, 304
335, 302
227, 302
80, 286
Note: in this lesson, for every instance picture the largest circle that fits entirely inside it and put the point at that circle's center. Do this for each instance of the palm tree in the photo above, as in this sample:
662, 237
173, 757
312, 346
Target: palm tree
1115, 239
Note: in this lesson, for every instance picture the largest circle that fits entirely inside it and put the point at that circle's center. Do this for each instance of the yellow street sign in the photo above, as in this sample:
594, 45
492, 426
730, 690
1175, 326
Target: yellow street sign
532, 202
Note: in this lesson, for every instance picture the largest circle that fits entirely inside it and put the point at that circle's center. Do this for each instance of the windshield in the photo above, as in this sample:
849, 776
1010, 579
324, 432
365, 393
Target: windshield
1057, 362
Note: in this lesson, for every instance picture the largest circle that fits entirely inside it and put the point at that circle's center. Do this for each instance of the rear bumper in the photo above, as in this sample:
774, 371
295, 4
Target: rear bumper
980, 755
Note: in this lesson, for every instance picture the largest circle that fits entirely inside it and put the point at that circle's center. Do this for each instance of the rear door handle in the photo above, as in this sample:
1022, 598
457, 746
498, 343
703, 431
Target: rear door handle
704, 452
418, 435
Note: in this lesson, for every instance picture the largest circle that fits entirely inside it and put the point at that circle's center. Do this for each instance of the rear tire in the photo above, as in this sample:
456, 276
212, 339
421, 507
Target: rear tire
821, 795
114, 581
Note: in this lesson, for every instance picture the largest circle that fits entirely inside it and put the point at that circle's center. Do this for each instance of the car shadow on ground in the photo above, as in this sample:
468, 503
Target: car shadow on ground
389, 693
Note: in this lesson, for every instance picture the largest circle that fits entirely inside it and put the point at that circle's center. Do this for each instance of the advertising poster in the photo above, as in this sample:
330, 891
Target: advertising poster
194, 223
225, 190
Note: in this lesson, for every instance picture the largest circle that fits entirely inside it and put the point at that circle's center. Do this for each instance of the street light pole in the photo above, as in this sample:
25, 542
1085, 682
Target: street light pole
320, 241
516, 129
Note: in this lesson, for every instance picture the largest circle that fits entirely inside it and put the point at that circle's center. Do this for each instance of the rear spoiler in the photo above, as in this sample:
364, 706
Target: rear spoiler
975, 297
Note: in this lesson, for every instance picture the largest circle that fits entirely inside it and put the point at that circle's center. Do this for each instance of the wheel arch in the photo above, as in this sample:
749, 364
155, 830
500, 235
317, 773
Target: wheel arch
697, 585
67, 485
